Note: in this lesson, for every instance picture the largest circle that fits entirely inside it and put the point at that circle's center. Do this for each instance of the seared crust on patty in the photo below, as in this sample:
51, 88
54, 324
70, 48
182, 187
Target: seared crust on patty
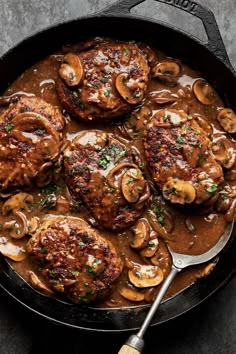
180, 158
75, 259
31, 134
113, 79
101, 171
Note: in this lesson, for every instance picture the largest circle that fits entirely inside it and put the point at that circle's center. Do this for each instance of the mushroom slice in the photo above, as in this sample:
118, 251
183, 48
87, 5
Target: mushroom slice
145, 276
131, 294
131, 91
179, 191
163, 97
162, 258
167, 71
159, 226
203, 92
141, 235
33, 224
152, 246
134, 187
111, 177
19, 201
71, 70
18, 228
44, 176
206, 126
227, 119
12, 251
38, 284
224, 151
169, 118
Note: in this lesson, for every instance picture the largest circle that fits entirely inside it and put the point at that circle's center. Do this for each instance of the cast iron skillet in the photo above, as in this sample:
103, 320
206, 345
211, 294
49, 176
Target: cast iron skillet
212, 60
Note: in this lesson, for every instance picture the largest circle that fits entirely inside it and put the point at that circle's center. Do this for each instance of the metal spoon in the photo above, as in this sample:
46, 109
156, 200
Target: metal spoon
135, 343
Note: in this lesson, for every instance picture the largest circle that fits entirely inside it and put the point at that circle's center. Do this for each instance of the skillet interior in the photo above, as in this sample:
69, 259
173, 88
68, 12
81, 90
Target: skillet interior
174, 43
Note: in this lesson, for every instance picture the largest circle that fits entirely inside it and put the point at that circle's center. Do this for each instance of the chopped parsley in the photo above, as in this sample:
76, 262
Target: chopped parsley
212, 189
9, 127
107, 93
126, 50
51, 189
180, 140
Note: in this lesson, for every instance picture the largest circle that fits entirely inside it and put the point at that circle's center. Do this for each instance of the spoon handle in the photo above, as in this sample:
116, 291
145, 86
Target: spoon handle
135, 343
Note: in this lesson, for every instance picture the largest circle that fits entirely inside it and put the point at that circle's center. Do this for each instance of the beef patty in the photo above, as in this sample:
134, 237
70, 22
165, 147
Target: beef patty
103, 82
180, 158
101, 171
31, 132
74, 259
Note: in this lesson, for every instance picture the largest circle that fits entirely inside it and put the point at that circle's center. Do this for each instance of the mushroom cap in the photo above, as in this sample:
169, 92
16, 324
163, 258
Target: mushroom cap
130, 90
132, 294
203, 92
224, 151
141, 234
145, 276
11, 250
71, 69
227, 119
179, 191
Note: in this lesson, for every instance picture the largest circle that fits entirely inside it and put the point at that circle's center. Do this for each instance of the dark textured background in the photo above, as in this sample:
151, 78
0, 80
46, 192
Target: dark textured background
211, 327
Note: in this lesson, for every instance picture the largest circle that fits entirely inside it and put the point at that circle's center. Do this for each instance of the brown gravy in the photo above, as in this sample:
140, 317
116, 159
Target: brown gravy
192, 237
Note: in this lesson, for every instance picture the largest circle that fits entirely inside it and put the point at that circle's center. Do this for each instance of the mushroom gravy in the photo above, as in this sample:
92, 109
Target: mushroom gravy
183, 227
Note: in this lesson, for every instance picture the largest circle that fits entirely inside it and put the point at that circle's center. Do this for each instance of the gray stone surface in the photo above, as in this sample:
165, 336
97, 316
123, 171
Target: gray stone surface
211, 327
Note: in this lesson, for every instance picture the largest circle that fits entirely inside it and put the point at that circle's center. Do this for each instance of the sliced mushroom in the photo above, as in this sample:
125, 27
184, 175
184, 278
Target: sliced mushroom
18, 227
227, 119
141, 235
129, 89
224, 151
162, 258
230, 214
152, 246
179, 191
111, 177
131, 294
33, 225
203, 92
71, 70
38, 284
30, 122
12, 251
19, 201
167, 71
45, 175
169, 118
206, 126
159, 226
134, 187
163, 97
145, 276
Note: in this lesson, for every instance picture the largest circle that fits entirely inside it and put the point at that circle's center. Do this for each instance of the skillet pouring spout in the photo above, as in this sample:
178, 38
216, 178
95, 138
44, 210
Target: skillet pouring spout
135, 342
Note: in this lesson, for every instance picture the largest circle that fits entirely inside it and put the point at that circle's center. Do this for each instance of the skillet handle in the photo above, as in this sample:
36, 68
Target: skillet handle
215, 43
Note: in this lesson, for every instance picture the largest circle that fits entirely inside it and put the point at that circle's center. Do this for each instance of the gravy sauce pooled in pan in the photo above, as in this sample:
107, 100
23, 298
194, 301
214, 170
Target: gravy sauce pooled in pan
109, 151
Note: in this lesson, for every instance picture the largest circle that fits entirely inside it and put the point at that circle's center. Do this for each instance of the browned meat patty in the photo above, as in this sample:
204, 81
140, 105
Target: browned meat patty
180, 158
103, 82
74, 259
101, 171
31, 133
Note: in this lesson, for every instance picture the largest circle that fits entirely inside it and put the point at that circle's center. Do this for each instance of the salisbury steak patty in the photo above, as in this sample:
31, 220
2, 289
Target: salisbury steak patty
31, 133
75, 259
180, 158
101, 171
103, 82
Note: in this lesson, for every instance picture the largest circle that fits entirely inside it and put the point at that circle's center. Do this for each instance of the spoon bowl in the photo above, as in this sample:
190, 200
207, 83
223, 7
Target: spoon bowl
135, 343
